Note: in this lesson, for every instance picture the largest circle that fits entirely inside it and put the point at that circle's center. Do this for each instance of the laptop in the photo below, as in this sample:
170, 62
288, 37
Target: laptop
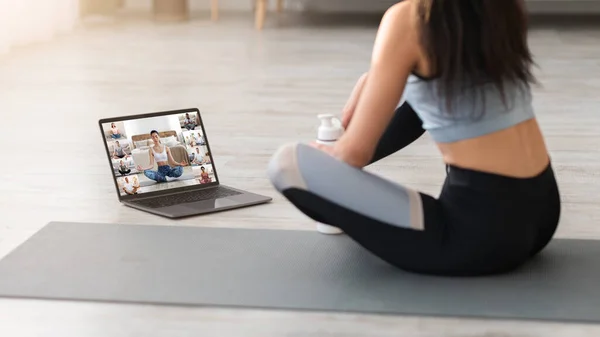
162, 163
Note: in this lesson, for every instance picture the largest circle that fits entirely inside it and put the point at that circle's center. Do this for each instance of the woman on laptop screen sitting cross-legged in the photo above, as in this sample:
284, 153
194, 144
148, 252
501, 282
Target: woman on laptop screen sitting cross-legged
167, 166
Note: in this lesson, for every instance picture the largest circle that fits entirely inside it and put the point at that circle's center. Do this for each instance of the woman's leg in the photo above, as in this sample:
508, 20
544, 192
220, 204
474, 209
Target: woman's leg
155, 175
404, 128
400, 225
549, 222
174, 172
168, 171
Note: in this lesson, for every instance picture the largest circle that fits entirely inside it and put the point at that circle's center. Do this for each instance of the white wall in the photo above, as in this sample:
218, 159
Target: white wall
23, 22
248, 5
377, 6
237, 5
362, 6
160, 124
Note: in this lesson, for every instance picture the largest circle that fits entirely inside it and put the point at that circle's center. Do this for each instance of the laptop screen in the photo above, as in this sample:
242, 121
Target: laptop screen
158, 153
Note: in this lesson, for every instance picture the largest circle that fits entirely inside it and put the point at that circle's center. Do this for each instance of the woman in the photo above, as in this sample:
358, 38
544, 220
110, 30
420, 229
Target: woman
164, 160
114, 131
465, 70
204, 177
199, 139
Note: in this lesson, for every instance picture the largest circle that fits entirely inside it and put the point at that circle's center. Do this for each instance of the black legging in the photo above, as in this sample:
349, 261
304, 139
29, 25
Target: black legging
482, 223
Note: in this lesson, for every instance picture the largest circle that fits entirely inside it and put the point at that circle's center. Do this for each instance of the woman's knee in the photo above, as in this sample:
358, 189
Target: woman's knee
363, 77
283, 169
154, 175
177, 172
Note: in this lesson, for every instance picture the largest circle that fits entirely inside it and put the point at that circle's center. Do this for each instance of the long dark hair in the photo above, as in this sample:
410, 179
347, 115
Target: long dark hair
471, 43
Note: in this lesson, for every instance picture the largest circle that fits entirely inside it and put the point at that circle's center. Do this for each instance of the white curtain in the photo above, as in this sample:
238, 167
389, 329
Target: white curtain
24, 22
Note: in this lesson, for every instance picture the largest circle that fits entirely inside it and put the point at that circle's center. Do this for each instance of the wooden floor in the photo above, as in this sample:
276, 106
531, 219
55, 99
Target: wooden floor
256, 90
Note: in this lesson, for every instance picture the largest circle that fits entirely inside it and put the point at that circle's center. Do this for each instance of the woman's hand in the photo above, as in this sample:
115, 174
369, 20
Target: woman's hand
338, 151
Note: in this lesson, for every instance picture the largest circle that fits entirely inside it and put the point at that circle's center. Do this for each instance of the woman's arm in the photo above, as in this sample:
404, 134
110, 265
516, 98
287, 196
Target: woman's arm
353, 100
171, 160
151, 165
395, 55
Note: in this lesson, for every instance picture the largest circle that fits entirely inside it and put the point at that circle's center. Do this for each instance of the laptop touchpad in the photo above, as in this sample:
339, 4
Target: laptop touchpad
214, 203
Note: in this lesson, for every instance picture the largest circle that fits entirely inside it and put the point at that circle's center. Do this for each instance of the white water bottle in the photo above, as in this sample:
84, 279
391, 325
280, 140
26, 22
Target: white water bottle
329, 132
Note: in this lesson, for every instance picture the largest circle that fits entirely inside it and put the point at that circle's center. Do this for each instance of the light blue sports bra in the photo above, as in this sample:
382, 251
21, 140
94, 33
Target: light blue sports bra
469, 116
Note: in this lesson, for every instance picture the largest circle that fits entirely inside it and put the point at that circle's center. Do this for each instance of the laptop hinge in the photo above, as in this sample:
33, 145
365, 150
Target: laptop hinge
171, 193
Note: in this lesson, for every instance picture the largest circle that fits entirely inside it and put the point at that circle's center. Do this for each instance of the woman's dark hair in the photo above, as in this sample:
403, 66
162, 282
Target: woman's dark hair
475, 42
153, 131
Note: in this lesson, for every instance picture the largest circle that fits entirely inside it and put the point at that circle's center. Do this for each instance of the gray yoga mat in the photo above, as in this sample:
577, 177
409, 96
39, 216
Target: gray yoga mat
280, 269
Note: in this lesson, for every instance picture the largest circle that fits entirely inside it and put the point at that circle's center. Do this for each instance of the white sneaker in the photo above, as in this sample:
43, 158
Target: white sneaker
326, 229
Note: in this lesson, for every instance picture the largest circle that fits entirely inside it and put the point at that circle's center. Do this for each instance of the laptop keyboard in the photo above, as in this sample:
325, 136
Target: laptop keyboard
192, 196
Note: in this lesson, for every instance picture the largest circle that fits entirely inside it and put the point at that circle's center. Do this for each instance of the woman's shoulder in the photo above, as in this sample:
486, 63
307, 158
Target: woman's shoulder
400, 24
403, 14
398, 36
